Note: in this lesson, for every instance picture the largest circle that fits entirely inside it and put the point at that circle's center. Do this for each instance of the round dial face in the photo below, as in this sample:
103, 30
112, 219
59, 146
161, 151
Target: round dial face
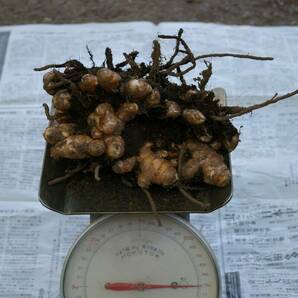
130, 256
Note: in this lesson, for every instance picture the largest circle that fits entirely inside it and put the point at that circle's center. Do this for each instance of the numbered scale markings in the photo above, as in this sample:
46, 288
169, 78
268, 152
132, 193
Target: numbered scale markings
131, 256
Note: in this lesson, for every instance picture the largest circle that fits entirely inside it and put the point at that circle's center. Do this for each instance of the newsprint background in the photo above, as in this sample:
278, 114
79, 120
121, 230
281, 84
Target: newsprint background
255, 237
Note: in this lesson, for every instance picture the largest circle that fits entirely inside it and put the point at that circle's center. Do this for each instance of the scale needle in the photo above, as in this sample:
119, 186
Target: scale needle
126, 286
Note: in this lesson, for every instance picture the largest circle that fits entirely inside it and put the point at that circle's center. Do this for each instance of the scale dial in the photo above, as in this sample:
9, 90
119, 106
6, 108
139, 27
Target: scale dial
131, 256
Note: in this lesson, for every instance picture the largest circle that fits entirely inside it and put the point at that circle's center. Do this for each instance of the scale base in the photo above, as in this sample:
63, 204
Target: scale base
94, 217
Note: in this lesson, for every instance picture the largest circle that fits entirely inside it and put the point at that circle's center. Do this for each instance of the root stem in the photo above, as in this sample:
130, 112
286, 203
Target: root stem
189, 197
153, 205
69, 174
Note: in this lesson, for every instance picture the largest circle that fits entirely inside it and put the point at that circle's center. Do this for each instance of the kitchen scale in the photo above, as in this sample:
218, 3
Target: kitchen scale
124, 252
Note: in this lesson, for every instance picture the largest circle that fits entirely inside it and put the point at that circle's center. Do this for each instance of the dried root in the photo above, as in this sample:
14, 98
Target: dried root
152, 205
68, 175
189, 197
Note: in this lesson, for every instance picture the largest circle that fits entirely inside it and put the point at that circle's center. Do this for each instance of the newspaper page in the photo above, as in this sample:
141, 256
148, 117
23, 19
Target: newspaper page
21, 151
255, 241
256, 251
265, 163
4, 35
260, 247
34, 243
254, 236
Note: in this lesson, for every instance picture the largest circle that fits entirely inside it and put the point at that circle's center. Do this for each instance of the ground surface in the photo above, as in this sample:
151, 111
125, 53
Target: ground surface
252, 12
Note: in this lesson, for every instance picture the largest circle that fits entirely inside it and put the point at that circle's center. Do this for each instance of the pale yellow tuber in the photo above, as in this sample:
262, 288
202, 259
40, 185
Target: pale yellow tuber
188, 96
57, 133
62, 101
96, 147
110, 124
193, 116
153, 99
173, 110
96, 133
115, 147
49, 82
73, 147
104, 121
209, 162
88, 83
108, 80
137, 89
127, 111
77, 147
124, 166
216, 145
231, 143
154, 169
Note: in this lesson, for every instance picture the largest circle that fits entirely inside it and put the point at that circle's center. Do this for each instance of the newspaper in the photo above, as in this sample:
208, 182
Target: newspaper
256, 244
255, 237
21, 150
33, 244
256, 251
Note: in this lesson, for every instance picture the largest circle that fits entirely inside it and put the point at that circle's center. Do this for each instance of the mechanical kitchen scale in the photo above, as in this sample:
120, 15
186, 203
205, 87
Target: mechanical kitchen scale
124, 252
